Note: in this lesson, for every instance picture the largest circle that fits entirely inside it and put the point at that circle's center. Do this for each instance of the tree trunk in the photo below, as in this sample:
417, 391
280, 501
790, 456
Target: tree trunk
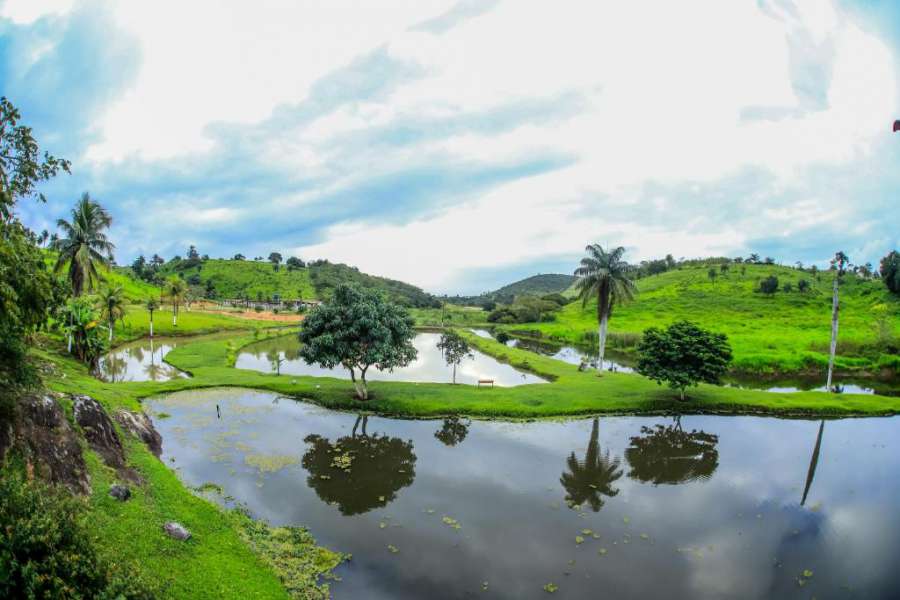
151, 324
835, 308
601, 334
813, 462
111, 325
174, 316
682, 394
362, 393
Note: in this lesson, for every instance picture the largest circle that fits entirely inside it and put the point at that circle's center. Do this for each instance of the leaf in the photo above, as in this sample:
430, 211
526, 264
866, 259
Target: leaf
579, 539
807, 573
393, 549
551, 588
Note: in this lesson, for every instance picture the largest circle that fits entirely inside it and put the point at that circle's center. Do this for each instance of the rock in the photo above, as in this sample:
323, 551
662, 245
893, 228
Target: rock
177, 531
49, 443
120, 492
99, 430
101, 435
140, 426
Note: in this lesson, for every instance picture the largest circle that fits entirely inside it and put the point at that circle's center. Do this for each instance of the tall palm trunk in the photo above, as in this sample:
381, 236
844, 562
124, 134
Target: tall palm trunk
174, 315
112, 324
835, 308
813, 463
151, 324
603, 323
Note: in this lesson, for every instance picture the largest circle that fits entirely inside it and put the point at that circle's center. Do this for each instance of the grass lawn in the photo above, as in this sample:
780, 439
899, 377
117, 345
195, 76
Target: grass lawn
787, 332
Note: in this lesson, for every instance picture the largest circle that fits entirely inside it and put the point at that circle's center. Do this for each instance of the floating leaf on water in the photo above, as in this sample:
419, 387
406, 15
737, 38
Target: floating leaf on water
626, 520
596, 536
587, 532
551, 588
381, 498
393, 549
382, 525
807, 573
579, 539
484, 585
602, 552
430, 511
644, 536
572, 563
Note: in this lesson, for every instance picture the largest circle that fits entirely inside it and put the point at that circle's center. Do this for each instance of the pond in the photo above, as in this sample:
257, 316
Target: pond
142, 360
620, 507
429, 366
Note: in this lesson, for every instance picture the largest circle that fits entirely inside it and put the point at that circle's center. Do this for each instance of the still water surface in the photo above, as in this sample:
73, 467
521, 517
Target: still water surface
429, 366
142, 360
615, 507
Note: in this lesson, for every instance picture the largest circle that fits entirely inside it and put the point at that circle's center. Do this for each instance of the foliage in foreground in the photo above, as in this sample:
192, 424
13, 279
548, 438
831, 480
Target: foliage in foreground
683, 355
45, 551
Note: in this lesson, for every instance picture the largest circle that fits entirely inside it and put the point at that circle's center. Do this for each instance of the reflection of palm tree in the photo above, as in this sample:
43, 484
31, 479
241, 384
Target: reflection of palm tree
453, 431
154, 372
670, 455
591, 479
114, 367
813, 463
359, 473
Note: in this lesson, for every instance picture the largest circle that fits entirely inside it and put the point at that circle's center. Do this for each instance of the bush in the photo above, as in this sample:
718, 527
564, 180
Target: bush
890, 271
45, 551
769, 285
502, 337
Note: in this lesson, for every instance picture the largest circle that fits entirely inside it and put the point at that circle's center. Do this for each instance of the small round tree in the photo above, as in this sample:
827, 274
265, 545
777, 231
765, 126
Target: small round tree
358, 329
454, 349
683, 355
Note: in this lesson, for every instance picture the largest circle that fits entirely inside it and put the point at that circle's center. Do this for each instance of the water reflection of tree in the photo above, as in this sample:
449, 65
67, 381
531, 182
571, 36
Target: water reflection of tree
379, 466
671, 455
813, 463
114, 368
589, 480
453, 431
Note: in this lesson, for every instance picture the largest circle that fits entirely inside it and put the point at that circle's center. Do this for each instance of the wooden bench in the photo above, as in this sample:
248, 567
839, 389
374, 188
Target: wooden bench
485, 382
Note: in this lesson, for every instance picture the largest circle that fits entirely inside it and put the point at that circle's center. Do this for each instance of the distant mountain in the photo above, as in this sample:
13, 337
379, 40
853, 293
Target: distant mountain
551, 283
536, 285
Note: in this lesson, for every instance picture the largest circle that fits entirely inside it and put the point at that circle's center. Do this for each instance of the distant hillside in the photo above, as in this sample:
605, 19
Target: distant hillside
551, 283
787, 331
536, 285
220, 278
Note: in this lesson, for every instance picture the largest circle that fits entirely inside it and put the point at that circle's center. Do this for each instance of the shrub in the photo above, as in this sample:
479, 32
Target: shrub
788, 287
46, 552
502, 337
890, 271
803, 286
769, 285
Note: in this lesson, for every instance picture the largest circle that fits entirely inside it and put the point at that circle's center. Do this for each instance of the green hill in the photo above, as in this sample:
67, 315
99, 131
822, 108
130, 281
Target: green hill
258, 279
788, 331
537, 285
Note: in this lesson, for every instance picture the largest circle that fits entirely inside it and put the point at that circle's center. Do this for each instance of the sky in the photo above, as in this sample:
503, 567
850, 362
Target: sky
463, 144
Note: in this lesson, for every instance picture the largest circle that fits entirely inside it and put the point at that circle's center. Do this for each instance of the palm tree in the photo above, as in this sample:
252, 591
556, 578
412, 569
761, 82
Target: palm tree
588, 481
112, 306
152, 305
175, 289
838, 264
84, 245
604, 275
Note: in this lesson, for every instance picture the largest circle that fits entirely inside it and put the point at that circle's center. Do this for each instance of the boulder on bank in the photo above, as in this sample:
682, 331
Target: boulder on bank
101, 435
48, 442
140, 426
176, 531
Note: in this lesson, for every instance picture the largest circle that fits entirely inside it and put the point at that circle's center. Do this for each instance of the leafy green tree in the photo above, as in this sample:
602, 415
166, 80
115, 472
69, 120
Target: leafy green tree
605, 276
239, 256
788, 287
84, 244
175, 289
724, 267
293, 263
358, 329
152, 306
588, 481
275, 259
112, 306
769, 285
890, 271
502, 337
683, 355
803, 286
22, 167
26, 286
838, 267
455, 349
